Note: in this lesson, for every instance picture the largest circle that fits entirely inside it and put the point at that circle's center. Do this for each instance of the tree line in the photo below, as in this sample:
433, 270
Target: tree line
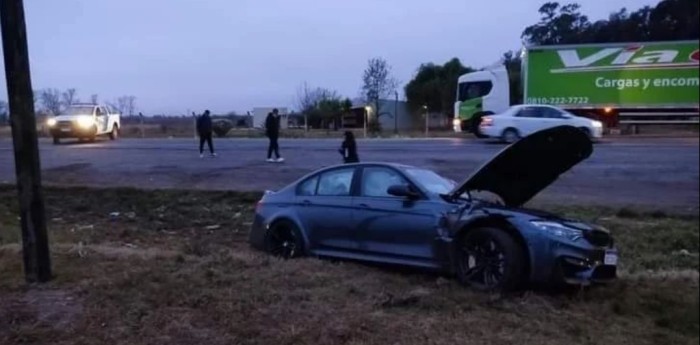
53, 102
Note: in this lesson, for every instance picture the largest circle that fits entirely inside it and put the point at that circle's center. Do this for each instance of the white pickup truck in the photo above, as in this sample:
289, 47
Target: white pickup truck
85, 122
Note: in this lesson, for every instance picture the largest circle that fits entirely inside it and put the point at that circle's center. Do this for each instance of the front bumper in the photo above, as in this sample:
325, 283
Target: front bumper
560, 261
71, 130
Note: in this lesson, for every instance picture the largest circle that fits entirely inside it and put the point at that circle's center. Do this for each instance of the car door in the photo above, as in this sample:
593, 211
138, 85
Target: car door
553, 117
324, 204
101, 119
526, 120
391, 226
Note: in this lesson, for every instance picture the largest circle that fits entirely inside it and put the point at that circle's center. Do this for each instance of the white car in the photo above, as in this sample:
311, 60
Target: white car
84, 121
522, 120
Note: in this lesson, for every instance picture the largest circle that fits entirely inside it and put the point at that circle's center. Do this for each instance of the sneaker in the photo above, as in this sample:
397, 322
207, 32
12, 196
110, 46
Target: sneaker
279, 160
213, 155
201, 155
270, 160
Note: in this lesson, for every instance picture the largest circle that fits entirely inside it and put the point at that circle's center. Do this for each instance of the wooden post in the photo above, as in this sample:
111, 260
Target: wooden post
35, 244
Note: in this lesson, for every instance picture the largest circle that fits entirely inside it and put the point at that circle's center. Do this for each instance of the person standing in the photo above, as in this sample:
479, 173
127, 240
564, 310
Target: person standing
349, 148
272, 131
204, 129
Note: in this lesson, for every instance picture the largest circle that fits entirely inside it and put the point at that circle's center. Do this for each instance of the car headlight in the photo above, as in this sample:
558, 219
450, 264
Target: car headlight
456, 122
51, 122
558, 230
85, 121
597, 124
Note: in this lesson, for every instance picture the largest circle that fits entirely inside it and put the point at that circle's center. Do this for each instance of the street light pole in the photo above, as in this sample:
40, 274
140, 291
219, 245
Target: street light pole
396, 113
35, 241
427, 119
366, 111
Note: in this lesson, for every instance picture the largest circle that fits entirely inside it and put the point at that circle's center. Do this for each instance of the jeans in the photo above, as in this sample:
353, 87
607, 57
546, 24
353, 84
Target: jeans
206, 138
273, 147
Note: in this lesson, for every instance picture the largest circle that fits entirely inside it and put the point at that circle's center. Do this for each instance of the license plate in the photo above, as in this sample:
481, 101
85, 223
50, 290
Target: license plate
65, 129
610, 258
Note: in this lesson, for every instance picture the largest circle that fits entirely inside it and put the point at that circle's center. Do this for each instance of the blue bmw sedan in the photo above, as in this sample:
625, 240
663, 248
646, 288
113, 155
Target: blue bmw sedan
477, 230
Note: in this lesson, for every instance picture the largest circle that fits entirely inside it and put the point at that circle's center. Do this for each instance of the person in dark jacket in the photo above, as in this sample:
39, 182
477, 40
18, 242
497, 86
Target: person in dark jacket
272, 131
349, 148
204, 129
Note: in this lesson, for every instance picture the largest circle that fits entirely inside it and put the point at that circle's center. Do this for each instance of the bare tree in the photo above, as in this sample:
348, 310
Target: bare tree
121, 105
93, 99
131, 105
377, 82
70, 97
51, 100
316, 102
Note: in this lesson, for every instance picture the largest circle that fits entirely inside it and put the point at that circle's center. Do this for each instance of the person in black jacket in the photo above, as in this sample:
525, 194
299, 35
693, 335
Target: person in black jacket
272, 130
204, 129
349, 148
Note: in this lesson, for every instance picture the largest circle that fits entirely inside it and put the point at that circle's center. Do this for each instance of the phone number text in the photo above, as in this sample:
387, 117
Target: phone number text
557, 100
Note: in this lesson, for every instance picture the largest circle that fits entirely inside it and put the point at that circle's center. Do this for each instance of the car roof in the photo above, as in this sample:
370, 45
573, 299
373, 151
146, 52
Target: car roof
362, 164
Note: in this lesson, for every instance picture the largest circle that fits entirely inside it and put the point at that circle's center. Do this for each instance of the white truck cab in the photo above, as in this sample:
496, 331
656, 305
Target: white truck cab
479, 94
85, 122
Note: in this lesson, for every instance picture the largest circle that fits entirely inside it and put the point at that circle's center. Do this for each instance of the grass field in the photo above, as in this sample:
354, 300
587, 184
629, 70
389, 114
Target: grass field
172, 267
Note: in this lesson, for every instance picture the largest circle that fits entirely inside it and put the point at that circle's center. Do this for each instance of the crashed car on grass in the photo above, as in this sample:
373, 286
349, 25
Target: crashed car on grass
398, 214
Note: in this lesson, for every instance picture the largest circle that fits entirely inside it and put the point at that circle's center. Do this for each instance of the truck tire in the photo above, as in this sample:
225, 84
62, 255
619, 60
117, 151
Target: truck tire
476, 122
114, 134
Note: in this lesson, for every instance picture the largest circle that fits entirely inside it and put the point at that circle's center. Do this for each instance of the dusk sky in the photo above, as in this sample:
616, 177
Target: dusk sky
233, 55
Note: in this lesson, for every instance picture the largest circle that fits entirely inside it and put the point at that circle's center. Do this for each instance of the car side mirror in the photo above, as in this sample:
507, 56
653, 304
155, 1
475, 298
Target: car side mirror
401, 190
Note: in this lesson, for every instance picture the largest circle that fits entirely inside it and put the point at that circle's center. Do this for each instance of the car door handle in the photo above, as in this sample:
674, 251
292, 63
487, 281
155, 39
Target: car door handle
305, 203
363, 205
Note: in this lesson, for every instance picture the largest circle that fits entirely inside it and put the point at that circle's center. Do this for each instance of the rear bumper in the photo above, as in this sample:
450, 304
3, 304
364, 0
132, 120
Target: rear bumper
256, 238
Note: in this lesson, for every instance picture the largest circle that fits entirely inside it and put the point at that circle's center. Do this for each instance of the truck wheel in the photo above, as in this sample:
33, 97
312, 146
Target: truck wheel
476, 123
114, 134
56, 140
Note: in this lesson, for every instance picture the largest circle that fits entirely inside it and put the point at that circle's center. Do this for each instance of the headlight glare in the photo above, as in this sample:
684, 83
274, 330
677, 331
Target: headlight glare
85, 121
558, 230
51, 122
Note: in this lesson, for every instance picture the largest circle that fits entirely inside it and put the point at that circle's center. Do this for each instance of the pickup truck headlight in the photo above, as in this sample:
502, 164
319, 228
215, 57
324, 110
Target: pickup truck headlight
558, 230
51, 122
597, 124
86, 122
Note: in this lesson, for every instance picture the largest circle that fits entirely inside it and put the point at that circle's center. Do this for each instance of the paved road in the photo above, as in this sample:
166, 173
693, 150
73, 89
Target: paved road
658, 173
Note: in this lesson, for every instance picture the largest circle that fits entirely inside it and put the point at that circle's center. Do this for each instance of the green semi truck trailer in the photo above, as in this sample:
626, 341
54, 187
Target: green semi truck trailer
601, 81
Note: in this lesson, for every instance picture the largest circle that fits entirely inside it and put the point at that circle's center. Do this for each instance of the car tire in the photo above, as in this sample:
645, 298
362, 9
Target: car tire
114, 134
587, 131
56, 140
489, 259
283, 239
510, 135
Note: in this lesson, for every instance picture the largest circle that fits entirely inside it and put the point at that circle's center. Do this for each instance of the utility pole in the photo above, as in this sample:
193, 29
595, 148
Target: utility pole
35, 242
396, 113
427, 119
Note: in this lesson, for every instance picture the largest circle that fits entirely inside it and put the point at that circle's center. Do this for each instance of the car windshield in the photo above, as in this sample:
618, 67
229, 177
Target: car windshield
431, 181
78, 110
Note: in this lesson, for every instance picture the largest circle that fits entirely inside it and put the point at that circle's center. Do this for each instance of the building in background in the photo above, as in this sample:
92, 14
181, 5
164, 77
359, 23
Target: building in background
392, 115
260, 114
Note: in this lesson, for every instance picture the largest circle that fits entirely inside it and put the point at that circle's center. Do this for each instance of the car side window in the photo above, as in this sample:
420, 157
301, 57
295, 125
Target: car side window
308, 187
552, 113
335, 182
376, 181
529, 112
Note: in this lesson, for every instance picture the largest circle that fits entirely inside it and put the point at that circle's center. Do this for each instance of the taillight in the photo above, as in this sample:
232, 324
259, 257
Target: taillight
258, 206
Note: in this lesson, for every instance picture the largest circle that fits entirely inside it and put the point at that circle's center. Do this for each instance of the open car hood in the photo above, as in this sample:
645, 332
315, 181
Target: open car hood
523, 169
